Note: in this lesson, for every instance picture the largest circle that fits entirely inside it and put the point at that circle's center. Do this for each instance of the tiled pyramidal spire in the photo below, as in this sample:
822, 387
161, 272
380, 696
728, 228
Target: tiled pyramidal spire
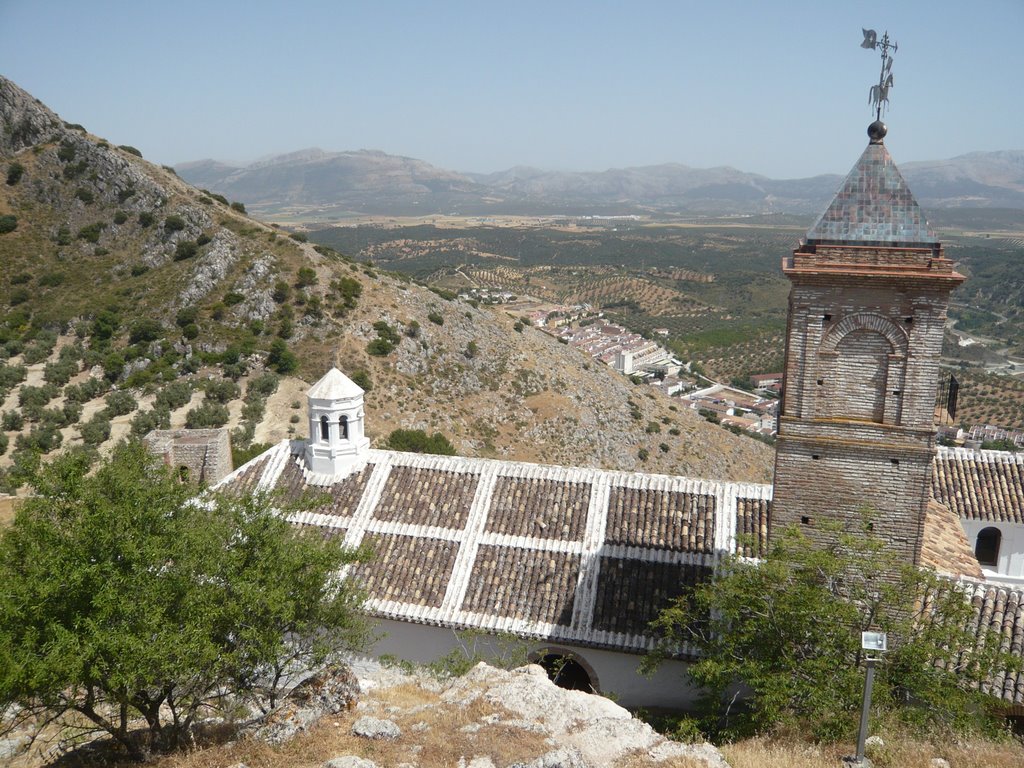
874, 206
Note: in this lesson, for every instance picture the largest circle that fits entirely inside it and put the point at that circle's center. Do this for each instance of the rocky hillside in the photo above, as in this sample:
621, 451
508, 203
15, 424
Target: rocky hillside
130, 300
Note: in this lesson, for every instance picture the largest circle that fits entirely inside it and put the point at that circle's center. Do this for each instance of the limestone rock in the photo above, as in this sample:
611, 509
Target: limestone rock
566, 757
939, 762
376, 728
349, 761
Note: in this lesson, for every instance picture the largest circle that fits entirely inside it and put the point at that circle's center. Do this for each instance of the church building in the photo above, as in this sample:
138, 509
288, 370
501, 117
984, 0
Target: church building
574, 562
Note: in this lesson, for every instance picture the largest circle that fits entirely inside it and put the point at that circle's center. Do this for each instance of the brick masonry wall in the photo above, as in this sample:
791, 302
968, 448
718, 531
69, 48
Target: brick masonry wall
864, 334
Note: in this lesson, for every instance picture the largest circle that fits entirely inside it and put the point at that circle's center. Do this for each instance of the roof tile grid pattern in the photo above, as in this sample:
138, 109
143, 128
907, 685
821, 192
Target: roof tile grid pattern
345, 494
752, 526
245, 480
407, 569
524, 584
999, 616
539, 508
631, 593
673, 520
429, 497
874, 205
980, 485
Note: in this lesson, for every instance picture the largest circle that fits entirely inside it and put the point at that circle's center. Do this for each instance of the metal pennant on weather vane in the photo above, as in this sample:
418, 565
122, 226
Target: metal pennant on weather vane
878, 96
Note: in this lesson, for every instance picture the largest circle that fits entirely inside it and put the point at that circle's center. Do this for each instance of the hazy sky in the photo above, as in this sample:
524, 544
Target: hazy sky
778, 88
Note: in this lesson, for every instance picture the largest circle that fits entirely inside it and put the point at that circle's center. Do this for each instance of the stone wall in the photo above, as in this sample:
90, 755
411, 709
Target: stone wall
198, 455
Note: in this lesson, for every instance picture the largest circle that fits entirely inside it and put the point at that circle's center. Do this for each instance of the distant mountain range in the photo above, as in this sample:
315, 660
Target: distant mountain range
327, 184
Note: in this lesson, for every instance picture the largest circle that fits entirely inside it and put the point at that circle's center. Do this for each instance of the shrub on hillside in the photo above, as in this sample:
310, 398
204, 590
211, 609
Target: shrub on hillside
120, 217
91, 232
305, 277
239, 207
85, 195
185, 249
120, 403
362, 379
41, 439
146, 219
263, 385
221, 391
11, 421
207, 415
130, 150
88, 390
96, 430
144, 422
60, 372
299, 237
280, 358
8, 223
174, 223
436, 318
418, 441
145, 331
174, 395
14, 173
29, 396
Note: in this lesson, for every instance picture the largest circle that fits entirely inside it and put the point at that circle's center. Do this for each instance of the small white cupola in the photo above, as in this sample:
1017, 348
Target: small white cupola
336, 439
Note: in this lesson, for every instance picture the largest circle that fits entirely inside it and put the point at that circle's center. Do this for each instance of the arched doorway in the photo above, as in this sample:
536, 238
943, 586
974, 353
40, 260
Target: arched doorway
567, 670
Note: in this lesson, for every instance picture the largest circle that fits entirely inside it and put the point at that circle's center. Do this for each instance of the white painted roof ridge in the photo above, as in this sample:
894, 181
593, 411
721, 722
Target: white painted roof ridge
334, 385
976, 454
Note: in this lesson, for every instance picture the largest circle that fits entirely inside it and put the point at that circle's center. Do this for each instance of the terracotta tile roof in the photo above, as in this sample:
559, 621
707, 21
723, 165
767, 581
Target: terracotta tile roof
752, 526
980, 485
578, 555
874, 206
999, 615
944, 546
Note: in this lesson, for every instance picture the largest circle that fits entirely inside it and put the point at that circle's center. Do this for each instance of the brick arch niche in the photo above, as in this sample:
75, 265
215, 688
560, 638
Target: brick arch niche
862, 366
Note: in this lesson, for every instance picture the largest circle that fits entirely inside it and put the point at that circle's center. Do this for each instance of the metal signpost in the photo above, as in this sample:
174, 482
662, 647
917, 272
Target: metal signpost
872, 642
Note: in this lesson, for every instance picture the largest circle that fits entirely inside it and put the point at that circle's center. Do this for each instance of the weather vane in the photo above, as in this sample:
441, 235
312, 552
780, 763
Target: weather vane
879, 94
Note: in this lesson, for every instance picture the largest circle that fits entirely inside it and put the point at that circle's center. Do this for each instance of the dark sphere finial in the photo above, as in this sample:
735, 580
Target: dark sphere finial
877, 131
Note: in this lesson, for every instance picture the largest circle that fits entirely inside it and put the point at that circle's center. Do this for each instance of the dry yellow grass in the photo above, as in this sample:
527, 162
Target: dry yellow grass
898, 752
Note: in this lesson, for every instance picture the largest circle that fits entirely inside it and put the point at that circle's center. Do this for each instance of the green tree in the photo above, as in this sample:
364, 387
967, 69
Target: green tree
418, 441
123, 601
280, 358
787, 630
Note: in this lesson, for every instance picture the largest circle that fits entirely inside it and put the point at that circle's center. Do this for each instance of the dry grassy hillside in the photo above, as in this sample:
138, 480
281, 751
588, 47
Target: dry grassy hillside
130, 300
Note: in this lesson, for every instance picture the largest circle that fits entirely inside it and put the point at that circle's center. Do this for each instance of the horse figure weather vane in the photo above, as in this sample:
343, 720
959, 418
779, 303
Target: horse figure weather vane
879, 94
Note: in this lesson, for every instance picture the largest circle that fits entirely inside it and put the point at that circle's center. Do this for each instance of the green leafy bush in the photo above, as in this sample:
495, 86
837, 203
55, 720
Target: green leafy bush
436, 318
174, 223
132, 576
280, 358
120, 403
146, 219
239, 207
306, 277
362, 379
29, 396
120, 217
130, 150
263, 385
299, 237
174, 395
418, 441
203, 239
14, 173
231, 298
91, 232
85, 195
66, 152
8, 223
145, 330
51, 279
282, 292
186, 316
185, 249
222, 391
96, 430
207, 415
12, 421
787, 631
41, 439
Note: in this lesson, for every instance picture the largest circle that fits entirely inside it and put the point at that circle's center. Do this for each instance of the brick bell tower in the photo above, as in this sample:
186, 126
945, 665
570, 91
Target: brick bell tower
867, 307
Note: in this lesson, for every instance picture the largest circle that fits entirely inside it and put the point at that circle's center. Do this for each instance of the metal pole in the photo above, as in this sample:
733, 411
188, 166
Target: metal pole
869, 681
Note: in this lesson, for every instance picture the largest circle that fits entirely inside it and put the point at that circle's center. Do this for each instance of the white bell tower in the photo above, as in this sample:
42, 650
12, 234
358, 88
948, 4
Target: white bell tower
336, 439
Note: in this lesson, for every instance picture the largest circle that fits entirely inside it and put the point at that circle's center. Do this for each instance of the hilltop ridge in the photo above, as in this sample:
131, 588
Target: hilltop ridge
122, 278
